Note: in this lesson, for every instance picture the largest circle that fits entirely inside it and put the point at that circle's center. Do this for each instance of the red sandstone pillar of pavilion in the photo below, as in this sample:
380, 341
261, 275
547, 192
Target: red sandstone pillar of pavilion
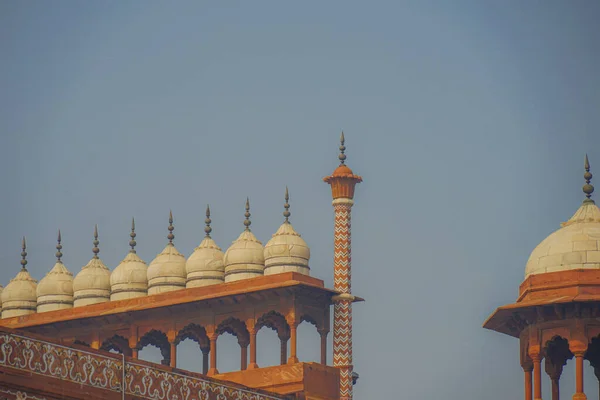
342, 183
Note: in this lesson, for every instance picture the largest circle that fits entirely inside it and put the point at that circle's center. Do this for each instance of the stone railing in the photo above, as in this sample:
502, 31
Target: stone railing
105, 371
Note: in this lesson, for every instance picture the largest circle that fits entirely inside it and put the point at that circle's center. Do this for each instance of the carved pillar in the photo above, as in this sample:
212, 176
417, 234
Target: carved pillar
244, 356
527, 369
283, 342
323, 334
554, 371
579, 394
133, 340
213, 353
253, 363
205, 352
536, 359
171, 336
293, 343
95, 342
578, 347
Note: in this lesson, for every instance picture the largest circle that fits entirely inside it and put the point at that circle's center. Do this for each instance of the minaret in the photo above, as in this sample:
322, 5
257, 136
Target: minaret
342, 183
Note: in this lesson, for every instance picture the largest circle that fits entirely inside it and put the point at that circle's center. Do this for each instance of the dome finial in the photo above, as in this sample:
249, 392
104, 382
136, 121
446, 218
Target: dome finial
207, 221
588, 188
342, 156
247, 222
59, 248
170, 236
132, 235
96, 250
24, 254
287, 213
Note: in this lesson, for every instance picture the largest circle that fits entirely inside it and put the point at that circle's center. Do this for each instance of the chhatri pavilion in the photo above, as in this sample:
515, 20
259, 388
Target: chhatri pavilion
556, 316
76, 335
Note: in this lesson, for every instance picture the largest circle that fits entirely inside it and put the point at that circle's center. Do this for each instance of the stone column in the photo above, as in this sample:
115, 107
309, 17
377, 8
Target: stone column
213, 353
244, 356
578, 347
283, 346
133, 340
293, 343
323, 334
205, 353
554, 371
253, 364
527, 369
171, 337
536, 359
579, 394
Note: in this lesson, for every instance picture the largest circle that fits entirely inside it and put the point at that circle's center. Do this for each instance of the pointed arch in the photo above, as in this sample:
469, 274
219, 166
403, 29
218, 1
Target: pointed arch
117, 343
235, 327
158, 339
275, 321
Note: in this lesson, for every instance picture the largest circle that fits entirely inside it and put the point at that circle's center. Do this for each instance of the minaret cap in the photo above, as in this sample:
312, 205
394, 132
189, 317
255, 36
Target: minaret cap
59, 248
342, 180
207, 221
247, 221
588, 188
132, 235
95, 249
24, 254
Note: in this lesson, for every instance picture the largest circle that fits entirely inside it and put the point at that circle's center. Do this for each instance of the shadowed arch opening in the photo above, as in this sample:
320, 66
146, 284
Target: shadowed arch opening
118, 344
225, 355
159, 340
267, 352
189, 350
309, 339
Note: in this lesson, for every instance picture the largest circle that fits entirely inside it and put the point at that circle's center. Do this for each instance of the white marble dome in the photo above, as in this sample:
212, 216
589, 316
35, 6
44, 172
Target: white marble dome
205, 265
19, 296
167, 271
129, 279
286, 252
55, 290
245, 257
92, 283
576, 245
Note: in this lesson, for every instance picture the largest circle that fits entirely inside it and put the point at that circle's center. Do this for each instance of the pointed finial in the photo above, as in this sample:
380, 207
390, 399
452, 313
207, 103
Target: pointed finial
207, 221
24, 254
342, 156
59, 248
247, 222
588, 188
170, 236
96, 250
287, 213
132, 235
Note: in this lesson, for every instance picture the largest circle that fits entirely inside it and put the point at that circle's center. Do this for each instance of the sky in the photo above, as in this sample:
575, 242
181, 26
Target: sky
468, 120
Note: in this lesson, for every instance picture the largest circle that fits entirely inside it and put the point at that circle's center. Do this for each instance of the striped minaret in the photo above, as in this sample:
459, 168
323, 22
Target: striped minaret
342, 183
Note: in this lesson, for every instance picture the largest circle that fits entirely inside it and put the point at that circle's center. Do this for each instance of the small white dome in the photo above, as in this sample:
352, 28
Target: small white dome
19, 297
129, 279
286, 252
92, 284
205, 265
167, 271
244, 258
576, 245
55, 290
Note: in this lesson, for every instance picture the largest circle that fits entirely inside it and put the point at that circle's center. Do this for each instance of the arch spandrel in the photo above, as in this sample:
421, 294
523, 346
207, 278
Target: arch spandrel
159, 339
275, 321
235, 327
117, 343
195, 332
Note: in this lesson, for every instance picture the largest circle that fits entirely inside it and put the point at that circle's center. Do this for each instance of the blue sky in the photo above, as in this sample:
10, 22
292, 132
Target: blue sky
468, 121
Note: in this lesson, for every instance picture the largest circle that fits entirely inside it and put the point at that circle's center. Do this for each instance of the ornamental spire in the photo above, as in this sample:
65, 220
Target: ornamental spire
59, 248
132, 235
588, 188
207, 221
342, 156
96, 250
23, 254
170, 236
287, 213
247, 222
